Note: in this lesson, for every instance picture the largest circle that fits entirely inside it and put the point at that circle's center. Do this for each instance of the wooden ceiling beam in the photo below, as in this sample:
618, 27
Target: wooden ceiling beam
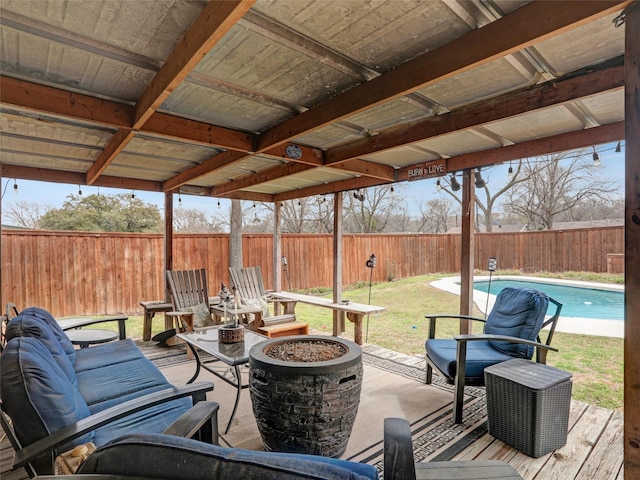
117, 143
216, 162
356, 167
544, 95
76, 178
532, 148
327, 188
215, 20
184, 129
367, 169
525, 26
263, 176
57, 102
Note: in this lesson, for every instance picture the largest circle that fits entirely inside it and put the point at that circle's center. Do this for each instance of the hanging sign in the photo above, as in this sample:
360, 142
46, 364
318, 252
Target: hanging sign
434, 168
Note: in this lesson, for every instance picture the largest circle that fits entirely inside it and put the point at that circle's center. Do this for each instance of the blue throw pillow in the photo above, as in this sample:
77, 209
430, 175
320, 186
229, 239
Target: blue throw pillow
36, 393
26, 326
517, 312
45, 316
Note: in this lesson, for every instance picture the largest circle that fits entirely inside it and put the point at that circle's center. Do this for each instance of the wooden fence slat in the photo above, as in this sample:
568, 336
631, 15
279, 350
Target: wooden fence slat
72, 273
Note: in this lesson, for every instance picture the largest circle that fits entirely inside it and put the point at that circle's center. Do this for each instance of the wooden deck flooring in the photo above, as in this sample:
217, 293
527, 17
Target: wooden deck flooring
594, 448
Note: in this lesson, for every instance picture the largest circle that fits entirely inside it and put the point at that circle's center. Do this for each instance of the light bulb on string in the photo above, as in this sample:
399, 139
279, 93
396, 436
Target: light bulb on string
596, 158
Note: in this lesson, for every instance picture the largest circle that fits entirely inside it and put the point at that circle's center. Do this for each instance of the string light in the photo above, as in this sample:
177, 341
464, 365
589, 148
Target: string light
15, 186
179, 199
438, 185
480, 183
596, 158
510, 173
618, 148
79, 190
455, 186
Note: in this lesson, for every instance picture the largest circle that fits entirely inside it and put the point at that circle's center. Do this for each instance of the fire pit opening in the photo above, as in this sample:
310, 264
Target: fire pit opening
305, 350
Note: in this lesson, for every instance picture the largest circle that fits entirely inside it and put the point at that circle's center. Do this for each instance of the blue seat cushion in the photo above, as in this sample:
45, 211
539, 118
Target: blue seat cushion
107, 354
480, 355
37, 394
116, 383
28, 326
45, 316
517, 312
160, 457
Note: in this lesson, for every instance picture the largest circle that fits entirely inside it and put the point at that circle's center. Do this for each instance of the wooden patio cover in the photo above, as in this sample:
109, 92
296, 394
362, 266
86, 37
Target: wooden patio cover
278, 99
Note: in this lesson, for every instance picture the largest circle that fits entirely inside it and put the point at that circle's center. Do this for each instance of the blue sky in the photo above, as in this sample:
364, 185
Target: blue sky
54, 194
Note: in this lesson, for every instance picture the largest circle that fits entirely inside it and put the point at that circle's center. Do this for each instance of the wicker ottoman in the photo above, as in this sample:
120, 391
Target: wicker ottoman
528, 405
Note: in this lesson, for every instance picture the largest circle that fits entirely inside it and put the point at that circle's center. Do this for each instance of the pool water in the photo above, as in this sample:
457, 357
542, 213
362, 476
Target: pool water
579, 302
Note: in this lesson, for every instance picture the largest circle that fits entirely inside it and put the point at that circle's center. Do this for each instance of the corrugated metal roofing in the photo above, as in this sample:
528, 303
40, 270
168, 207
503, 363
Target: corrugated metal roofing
161, 94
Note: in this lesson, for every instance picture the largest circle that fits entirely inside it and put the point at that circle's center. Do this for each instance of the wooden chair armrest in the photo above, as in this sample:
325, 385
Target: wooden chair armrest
398, 450
37, 449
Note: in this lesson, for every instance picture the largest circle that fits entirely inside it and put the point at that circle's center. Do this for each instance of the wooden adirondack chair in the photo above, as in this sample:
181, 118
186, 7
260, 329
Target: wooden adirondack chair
190, 298
248, 284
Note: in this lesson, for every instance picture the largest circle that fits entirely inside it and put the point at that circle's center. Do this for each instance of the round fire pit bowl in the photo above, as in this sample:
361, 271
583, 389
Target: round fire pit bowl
305, 392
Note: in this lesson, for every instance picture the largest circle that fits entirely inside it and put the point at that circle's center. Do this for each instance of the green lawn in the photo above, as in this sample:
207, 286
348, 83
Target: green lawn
595, 362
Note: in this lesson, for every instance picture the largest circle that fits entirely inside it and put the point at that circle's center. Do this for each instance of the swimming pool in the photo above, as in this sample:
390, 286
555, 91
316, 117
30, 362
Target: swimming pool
572, 322
577, 301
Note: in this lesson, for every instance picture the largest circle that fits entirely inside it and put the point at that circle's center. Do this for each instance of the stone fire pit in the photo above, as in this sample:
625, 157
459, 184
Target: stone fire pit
305, 392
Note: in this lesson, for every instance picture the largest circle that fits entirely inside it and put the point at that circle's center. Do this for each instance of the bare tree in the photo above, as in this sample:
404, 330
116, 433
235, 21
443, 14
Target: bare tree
556, 184
486, 206
194, 220
594, 209
303, 215
434, 216
26, 214
373, 209
235, 234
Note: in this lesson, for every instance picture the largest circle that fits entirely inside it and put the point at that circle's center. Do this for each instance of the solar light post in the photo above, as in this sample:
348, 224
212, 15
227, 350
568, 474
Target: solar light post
371, 264
492, 266
286, 271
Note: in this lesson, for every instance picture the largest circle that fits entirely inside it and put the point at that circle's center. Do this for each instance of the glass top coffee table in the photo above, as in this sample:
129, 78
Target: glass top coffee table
232, 354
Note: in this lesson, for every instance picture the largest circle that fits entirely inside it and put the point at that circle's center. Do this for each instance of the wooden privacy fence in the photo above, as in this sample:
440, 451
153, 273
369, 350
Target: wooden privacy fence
75, 273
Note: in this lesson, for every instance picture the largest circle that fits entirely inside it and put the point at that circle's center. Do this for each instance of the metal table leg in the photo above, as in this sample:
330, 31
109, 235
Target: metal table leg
237, 383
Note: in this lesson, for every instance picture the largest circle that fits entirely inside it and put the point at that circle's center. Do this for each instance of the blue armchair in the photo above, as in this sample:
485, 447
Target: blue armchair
511, 331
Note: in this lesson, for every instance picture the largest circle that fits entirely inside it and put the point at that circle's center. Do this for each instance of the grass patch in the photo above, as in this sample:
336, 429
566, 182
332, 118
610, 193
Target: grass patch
595, 362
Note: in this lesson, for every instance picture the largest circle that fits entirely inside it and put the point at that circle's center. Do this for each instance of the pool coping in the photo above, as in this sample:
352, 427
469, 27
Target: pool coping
576, 325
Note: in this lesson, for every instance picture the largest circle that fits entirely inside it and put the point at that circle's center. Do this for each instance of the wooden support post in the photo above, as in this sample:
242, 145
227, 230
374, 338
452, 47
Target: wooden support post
168, 241
632, 245
338, 317
277, 254
467, 249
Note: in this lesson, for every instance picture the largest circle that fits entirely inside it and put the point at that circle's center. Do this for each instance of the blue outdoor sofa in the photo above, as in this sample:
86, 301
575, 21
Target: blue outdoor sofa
55, 397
